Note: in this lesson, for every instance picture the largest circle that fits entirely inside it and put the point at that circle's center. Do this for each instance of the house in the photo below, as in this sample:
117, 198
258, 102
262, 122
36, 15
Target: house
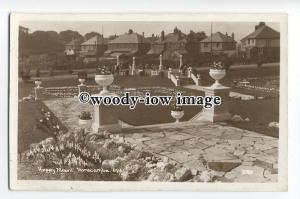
263, 42
72, 47
171, 46
218, 43
127, 45
93, 47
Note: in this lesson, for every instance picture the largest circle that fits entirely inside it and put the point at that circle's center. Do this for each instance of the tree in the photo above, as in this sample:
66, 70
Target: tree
40, 42
111, 37
69, 35
89, 35
196, 37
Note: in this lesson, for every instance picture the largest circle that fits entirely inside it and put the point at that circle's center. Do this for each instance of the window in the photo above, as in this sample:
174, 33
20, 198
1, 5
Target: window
218, 44
205, 44
248, 41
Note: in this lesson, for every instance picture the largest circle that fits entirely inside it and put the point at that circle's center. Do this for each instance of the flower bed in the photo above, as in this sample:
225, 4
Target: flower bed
71, 91
82, 156
269, 86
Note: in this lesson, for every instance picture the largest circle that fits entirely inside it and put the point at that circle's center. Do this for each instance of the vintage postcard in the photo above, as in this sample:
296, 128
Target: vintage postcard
154, 101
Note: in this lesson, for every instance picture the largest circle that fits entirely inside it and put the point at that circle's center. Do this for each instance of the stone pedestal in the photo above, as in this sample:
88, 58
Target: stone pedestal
169, 73
190, 72
198, 81
218, 112
160, 62
178, 82
38, 93
103, 119
82, 88
180, 61
133, 66
118, 60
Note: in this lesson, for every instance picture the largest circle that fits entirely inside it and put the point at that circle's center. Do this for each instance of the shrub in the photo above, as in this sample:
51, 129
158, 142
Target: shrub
217, 66
25, 75
177, 107
161, 73
37, 72
51, 72
85, 115
103, 71
82, 75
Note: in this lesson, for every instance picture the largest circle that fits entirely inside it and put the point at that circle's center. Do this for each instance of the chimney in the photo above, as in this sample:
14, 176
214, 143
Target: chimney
162, 35
260, 25
226, 34
232, 35
152, 35
143, 34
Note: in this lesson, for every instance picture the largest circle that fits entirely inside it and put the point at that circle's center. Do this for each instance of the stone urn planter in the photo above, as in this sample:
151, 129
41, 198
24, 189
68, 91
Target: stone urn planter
85, 119
38, 83
104, 81
81, 81
217, 75
177, 115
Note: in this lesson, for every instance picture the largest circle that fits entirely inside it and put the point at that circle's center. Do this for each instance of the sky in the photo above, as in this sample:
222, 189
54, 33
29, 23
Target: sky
240, 29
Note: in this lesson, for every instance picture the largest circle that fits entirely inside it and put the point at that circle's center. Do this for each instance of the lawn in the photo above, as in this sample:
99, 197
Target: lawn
29, 116
260, 112
233, 74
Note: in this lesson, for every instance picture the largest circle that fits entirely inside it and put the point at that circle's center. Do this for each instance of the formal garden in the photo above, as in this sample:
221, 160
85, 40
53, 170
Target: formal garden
50, 136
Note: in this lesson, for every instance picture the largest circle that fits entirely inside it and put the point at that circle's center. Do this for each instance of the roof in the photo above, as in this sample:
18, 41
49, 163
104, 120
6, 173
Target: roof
155, 51
263, 32
73, 43
180, 52
128, 39
87, 53
95, 40
218, 37
120, 52
172, 38
149, 39
115, 54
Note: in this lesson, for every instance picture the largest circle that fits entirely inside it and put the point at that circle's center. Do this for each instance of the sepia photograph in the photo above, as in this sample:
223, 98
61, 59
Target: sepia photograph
132, 102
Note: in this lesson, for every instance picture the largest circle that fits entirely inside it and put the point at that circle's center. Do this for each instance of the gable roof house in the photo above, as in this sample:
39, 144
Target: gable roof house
218, 43
263, 42
129, 44
170, 46
93, 47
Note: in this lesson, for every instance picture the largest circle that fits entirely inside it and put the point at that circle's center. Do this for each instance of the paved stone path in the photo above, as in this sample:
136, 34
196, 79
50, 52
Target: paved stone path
235, 154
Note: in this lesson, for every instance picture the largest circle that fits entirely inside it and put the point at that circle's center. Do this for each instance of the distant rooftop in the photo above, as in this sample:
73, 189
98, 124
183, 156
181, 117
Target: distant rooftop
263, 32
128, 38
73, 43
95, 40
218, 37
